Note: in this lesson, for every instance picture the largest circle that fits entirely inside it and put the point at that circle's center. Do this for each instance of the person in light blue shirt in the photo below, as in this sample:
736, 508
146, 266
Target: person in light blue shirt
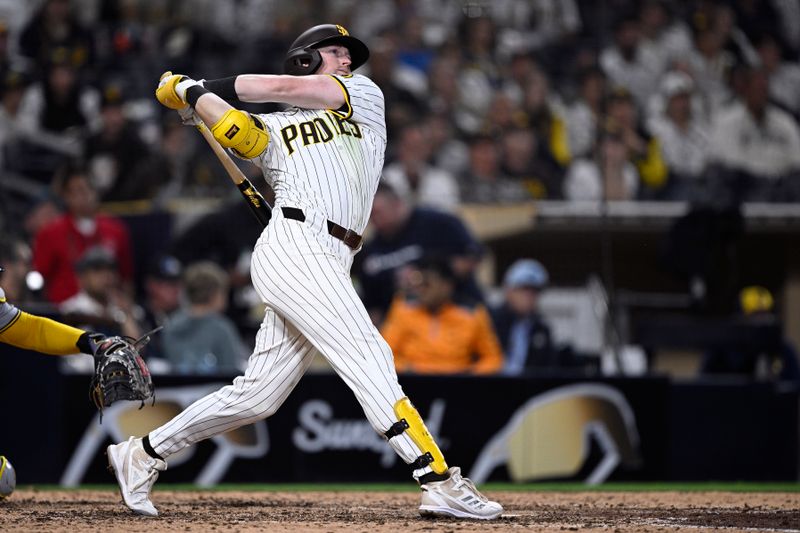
200, 339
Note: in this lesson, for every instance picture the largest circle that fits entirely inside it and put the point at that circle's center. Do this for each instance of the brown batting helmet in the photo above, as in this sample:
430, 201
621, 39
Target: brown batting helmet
303, 57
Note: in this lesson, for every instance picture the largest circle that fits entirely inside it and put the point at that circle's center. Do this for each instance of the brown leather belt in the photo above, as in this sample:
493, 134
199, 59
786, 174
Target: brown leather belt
347, 236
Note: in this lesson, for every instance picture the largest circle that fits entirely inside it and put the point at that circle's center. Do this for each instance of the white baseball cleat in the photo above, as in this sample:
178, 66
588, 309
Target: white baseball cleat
458, 497
136, 473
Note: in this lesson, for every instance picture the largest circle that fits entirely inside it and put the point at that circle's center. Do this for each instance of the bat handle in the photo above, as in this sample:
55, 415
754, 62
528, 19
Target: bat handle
255, 201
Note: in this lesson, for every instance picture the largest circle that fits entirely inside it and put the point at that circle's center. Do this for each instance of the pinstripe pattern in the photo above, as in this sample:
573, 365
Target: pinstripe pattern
303, 275
338, 177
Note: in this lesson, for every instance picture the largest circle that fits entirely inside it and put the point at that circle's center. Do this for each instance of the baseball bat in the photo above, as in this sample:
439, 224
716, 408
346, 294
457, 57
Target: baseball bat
257, 204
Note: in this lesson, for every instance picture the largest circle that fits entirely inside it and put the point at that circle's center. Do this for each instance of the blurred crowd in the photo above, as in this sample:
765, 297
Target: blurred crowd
487, 102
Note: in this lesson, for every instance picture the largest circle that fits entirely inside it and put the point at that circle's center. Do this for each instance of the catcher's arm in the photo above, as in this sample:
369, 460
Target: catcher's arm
44, 335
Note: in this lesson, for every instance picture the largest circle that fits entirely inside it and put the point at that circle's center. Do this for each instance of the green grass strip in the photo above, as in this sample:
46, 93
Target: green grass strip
515, 487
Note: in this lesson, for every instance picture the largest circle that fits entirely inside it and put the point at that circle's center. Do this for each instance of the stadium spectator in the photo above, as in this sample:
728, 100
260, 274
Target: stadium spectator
546, 26
404, 233
663, 36
61, 104
58, 245
484, 181
187, 168
55, 29
710, 63
758, 145
50, 121
412, 51
608, 175
784, 76
42, 211
200, 339
519, 70
526, 161
644, 149
523, 332
162, 297
100, 304
424, 184
431, 333
210, 238
15, 258
627, 64
545, 118
13, 88
684, 138
404, 86
445, 93
119, 162
479, 71
582, 115
448, 152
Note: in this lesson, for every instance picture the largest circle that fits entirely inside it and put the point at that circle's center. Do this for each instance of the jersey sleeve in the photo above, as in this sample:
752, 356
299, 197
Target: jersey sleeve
363, 102
8, 313
37, 333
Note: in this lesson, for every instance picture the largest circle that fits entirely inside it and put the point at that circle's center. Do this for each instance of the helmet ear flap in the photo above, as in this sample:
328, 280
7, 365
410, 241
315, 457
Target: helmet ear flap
302, 62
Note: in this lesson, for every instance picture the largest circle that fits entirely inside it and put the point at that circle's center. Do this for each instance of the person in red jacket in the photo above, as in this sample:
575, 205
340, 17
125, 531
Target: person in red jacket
59, 245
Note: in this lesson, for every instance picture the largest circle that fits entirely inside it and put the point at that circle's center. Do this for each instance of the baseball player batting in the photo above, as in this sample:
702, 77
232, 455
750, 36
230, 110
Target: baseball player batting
323, 158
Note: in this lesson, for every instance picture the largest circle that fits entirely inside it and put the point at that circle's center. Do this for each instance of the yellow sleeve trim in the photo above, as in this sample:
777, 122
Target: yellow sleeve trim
349, 108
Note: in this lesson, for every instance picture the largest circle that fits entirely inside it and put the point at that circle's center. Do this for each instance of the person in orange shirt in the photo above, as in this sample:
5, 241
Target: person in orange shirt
429, 333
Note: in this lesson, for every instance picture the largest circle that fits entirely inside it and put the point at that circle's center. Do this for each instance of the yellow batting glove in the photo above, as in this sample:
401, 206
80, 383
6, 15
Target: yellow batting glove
171, 90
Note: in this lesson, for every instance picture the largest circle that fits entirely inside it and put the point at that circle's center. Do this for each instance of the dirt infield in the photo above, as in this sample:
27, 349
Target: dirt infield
379, 512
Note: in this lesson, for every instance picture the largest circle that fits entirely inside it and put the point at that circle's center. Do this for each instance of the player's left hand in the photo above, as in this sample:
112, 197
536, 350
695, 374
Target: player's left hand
171, 90
189, 117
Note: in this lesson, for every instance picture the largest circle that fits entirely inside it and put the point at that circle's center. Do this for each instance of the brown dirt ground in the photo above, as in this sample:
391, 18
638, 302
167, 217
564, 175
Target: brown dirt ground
385, 512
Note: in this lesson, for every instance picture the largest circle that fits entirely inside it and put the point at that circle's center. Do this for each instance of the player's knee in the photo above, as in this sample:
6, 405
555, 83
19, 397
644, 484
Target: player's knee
251, 403
242, 133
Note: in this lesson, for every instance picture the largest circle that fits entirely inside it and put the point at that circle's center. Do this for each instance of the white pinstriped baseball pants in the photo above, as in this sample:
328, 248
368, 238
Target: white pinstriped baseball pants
303, 275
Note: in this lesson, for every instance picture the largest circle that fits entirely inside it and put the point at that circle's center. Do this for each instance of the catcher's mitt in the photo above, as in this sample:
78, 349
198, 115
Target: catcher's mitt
120, 373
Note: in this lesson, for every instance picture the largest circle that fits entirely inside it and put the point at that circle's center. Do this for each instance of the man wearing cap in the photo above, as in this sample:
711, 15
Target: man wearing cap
684, 138
162, 288
523, 334
100, 303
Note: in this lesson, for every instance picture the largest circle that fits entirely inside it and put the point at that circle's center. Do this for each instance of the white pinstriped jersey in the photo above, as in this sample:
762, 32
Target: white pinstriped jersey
327, 163
329, 160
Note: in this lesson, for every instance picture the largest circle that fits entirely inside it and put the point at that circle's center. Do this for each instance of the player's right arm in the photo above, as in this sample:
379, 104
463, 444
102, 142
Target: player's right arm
40, 334
231, 127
